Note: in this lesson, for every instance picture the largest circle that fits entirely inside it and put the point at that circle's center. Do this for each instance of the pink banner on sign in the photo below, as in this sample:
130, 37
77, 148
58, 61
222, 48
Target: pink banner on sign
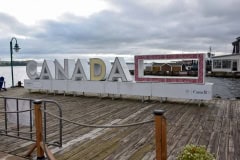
139, 69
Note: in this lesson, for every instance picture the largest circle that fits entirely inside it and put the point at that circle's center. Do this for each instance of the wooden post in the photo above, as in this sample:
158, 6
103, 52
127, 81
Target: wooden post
38, 125
41, 147
161, 135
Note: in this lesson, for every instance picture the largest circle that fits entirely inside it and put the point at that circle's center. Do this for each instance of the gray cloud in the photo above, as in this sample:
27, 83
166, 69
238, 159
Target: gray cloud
136, 27
10, 25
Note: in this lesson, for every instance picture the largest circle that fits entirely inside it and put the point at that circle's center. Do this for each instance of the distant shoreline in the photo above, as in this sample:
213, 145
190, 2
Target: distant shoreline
15, 63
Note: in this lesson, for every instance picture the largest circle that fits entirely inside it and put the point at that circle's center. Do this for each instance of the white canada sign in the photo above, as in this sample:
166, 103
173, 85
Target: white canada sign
100, 76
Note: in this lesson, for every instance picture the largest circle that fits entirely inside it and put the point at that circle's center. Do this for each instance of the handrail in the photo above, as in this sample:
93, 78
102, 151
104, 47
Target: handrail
16, 111
160, 127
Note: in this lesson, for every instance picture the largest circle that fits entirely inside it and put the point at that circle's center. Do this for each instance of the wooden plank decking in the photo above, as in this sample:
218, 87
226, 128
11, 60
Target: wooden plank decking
215, 125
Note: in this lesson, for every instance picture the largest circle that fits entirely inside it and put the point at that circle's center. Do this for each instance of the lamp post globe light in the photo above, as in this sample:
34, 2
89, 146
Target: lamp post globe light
16, 49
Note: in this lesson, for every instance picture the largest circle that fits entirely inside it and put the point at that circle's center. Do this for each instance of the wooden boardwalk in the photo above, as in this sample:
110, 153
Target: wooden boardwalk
216, 125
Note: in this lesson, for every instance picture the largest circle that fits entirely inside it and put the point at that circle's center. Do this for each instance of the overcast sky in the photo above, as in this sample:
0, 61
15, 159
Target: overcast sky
49, 29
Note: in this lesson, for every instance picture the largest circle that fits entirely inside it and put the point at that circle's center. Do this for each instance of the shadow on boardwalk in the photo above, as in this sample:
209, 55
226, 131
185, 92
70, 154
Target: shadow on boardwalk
215, 125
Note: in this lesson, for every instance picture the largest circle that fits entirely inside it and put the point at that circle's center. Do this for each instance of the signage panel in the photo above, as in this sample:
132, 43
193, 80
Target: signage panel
99, 76
139, 68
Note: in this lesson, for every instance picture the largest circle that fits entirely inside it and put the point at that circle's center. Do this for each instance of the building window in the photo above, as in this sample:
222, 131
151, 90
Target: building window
217, 64
234, 65
226, 64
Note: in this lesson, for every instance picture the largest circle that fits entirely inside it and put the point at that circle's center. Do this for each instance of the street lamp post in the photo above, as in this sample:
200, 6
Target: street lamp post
16, 49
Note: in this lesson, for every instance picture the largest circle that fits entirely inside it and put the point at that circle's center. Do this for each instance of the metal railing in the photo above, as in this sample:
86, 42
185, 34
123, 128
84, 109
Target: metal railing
7, 131
41, 140
27, 132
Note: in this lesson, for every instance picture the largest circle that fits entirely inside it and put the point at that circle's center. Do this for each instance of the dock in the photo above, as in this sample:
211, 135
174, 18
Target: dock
215, 124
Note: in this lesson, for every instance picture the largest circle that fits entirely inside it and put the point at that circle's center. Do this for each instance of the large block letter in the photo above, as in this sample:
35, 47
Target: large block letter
99, 69
64, 73
81, 70
60, 72
48, 70
31, 70
119, 71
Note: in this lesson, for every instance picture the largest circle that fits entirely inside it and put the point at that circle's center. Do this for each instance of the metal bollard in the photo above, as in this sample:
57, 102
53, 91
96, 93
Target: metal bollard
161, 135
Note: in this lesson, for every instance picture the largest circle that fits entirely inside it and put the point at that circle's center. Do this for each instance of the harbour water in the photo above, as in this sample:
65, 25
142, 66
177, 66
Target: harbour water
19, 73
223, 87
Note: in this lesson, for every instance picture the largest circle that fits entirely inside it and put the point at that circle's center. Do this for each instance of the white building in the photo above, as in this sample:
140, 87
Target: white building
228, 63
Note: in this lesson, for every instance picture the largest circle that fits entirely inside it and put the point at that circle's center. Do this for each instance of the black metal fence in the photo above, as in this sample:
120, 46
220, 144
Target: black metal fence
13, 127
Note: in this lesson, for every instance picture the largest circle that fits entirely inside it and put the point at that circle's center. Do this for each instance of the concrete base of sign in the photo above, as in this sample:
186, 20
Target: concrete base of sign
173, 90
